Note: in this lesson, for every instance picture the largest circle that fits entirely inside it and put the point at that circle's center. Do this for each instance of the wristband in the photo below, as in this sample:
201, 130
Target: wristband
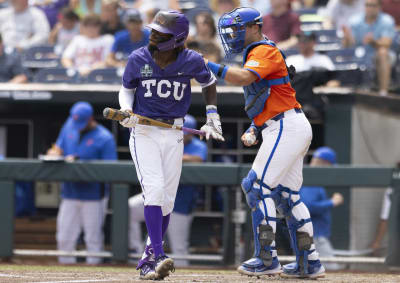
218, 69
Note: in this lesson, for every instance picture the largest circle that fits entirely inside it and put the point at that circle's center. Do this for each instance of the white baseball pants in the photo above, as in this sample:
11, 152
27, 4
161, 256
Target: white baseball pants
279, 161
157, 154
75, 215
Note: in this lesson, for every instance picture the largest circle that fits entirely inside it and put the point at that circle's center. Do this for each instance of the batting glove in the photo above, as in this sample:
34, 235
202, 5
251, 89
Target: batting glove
130, 121
213, 125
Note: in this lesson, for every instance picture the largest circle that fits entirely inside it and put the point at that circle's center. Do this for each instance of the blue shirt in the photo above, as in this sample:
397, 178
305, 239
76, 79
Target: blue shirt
164, 93
186, 196
384, 26
97, 144
320, 206
124, 44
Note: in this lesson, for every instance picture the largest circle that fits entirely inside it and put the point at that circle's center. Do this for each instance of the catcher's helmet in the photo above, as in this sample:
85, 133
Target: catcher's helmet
232, 27
171, 22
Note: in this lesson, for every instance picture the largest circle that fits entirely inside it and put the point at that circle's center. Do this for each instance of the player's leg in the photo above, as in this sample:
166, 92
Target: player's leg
92, 219
69, 225
297, 138
136, 216
172, 154
264, 260
179, 235
145, 146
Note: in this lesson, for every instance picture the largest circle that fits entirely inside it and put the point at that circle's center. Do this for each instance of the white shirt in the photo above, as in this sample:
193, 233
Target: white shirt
303, 64
64, 37
85, 51
385, 212
25, 29
340, 13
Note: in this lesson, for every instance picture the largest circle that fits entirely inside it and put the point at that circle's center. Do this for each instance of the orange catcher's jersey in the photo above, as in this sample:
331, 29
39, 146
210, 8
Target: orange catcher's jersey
267, 63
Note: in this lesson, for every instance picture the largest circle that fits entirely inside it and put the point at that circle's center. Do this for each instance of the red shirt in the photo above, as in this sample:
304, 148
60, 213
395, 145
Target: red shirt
281, 28
392, 7
267, 63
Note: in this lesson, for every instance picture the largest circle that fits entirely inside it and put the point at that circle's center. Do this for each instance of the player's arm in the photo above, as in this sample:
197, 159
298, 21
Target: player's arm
234, 75
213, 125
191, 158
126, 97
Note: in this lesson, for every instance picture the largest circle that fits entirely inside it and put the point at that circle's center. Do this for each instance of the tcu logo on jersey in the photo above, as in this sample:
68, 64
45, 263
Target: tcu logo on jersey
164, 88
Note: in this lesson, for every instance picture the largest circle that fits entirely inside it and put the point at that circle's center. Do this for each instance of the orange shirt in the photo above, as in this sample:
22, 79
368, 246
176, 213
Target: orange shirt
267, 63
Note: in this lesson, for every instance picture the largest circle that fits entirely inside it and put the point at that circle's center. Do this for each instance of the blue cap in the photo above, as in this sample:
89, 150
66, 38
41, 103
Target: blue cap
325, 153
80, 114
190, 122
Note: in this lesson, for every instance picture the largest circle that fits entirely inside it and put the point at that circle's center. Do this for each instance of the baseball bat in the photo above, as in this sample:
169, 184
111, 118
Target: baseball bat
118, 115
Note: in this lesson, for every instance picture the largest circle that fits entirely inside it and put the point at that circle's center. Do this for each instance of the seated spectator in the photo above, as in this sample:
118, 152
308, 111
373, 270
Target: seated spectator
392, 7
338, 12
281, 25
374, 30
181, 217
86, 7
11, 69
263, 6
65, 30
205, 28
88, 50
320, 207
220, 7
51, 8
111, 22
23, 26
308, 66
134, 37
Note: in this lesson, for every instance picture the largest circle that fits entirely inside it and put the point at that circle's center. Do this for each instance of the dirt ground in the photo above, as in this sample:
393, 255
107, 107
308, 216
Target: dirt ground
74, 274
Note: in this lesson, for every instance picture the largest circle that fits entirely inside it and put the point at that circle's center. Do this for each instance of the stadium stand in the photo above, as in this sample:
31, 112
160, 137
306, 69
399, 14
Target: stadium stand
105, 76
40, 57
56, 75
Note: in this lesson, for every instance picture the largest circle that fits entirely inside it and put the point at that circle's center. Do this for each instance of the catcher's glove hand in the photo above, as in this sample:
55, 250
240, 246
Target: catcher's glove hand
213, 125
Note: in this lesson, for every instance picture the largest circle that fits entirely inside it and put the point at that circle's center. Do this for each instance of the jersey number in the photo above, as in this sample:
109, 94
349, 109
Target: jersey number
164, 88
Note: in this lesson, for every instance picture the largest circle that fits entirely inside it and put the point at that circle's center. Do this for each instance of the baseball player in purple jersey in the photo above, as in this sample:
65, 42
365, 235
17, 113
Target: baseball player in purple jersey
156, 84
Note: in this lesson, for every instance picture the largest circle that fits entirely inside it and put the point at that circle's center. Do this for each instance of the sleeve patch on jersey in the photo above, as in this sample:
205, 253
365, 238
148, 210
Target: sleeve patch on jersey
252, 63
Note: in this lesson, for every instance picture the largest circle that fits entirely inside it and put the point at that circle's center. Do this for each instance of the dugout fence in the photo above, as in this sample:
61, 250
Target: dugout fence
121, 174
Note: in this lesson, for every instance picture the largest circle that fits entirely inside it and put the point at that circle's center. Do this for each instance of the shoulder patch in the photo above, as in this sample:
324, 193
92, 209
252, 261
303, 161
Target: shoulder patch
252, 63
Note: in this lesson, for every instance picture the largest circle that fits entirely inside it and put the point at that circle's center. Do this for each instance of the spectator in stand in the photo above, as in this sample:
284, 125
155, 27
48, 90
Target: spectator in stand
392, 7
206, 30
181, 218
221, 7
86, 7
374, 30
320, 207
309, 67
281, 25
338, 12
11, 69
23, 26
134, 37
308, 59
88, 50
263, 6
111, 22
51, 8
82, 204
65, 30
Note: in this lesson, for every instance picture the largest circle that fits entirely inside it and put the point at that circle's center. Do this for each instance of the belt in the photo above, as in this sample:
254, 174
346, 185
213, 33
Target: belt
166, 121
282, 114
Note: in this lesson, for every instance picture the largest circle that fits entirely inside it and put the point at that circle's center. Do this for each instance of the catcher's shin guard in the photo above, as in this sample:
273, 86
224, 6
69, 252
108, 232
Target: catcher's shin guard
263, 237
301, 242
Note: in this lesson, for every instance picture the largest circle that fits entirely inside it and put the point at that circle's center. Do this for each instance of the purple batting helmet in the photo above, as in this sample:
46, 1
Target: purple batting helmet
174, 23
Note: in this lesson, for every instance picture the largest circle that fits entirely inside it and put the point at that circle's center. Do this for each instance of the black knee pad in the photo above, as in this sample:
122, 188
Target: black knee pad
266, 237
304, 241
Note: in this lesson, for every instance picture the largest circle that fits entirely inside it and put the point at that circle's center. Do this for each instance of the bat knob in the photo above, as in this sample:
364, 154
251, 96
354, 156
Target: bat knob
106, 112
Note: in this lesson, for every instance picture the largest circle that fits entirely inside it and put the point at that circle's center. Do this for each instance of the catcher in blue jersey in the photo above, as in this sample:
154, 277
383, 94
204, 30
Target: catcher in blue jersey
156, 84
